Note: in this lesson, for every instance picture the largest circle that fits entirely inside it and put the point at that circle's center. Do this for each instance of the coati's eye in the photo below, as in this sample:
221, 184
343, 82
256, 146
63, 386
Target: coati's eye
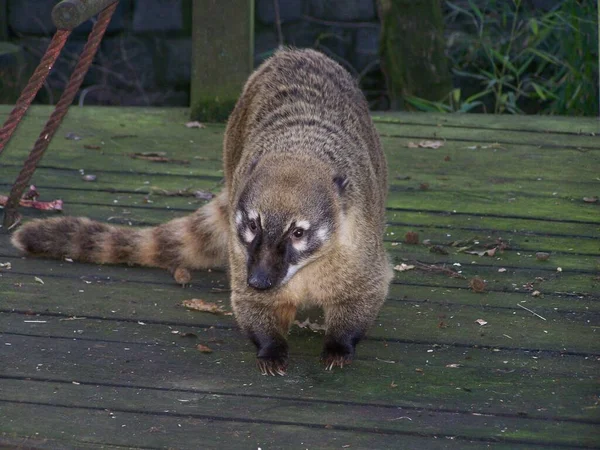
298, 233
253, 225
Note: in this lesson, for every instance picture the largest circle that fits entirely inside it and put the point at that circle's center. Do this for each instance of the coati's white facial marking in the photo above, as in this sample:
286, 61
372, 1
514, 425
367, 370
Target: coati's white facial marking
303, 224
238, 218
300, 246
248, 235
252, 215
292, 269
322, 234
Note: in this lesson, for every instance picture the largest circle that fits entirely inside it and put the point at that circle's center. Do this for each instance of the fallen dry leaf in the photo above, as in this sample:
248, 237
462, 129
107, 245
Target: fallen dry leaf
481, 322
157, 157
310, 325
453, 366
393, 385
72, 136
39, 280
502, 270
411, 238
542, 256
89, 177
403, 267
200, 305
428, 144
412, 145
590, 199
28, 200
203, 348
536, 294
477, 285
489, 252
92, 147
195, 124
6, 266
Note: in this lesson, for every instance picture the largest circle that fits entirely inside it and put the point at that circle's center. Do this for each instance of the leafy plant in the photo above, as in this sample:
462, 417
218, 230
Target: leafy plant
520, 60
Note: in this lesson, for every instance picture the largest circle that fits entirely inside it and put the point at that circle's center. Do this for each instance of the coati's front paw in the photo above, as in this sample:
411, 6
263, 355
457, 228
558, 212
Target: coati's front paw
272, 360
337, 354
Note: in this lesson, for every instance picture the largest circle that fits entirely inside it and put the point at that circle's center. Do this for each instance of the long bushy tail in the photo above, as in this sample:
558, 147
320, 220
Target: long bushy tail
192, 242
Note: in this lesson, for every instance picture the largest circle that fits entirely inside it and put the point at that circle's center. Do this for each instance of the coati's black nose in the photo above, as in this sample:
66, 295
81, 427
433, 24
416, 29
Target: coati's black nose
260, 279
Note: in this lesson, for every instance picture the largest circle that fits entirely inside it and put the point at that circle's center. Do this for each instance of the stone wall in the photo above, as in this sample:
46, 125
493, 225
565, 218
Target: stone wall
145, 57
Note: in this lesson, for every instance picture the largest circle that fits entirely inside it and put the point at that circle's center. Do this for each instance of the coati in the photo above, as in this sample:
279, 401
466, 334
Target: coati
300, 220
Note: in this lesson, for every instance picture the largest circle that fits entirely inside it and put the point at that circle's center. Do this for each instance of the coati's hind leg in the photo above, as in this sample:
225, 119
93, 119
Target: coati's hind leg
266, 325
346, 324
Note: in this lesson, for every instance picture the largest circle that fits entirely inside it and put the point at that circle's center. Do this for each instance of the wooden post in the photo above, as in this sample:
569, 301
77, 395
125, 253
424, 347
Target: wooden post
3, 20
222, 55
412, 50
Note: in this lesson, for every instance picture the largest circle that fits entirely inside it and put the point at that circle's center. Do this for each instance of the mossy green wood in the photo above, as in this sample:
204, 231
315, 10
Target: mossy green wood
412, 50
222, 55
532, 380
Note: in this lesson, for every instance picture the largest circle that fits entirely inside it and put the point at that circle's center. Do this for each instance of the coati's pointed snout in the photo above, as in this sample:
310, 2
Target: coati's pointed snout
260, 279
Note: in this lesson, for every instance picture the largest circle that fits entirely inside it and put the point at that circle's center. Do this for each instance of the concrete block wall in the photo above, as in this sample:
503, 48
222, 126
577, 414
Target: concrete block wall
145, 56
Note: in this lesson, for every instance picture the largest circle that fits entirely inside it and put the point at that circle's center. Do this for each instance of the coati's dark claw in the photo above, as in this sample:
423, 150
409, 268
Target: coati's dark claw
332, 361
337, 354
271, 367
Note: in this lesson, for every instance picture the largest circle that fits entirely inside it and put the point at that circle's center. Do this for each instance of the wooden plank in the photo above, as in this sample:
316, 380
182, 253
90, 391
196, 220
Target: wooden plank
222, 55
540, 124
562, 327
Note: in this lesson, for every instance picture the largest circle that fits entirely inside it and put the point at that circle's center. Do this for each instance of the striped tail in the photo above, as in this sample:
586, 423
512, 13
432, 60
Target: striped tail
196, 241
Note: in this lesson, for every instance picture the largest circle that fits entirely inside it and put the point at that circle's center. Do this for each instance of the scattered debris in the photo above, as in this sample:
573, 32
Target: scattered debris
536, 294
502, 269
5, 266
157, 157
28, 200
453, 366
490, 252
393, 385
532, 312
590, 199
426, 144
195, 124
438, 269
186, 334
182, 275
200, 305
310, 325
73, 136
403, 267
438, 249
481, 322
35, 321
412, 238
559, 269
203, 195
203, 348
39, 280
542, 256
477, 285
89, 178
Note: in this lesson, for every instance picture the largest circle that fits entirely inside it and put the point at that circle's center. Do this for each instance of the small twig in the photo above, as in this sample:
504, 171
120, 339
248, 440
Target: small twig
278, 23
534, 313
440, 269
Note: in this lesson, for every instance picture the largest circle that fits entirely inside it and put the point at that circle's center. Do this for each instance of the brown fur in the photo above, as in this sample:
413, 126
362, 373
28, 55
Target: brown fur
299, 147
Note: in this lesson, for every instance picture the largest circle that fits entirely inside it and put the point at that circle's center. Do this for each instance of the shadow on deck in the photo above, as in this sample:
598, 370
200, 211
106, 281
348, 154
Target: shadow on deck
106, 355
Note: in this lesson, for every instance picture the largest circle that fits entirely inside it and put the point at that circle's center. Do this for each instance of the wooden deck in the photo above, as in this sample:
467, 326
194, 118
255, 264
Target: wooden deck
106, 355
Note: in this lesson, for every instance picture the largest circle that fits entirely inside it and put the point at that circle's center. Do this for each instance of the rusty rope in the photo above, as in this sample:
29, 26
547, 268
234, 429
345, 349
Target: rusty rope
11, 215
33, 86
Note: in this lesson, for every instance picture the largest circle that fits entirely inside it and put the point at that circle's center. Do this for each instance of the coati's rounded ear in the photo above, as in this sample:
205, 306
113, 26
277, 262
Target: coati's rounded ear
340, 183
